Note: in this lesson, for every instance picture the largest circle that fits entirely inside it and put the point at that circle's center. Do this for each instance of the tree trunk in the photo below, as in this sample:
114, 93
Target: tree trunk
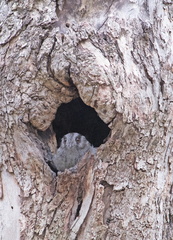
117, 57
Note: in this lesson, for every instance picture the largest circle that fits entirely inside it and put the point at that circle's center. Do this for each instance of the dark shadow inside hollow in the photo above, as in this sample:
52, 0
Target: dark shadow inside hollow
76, 116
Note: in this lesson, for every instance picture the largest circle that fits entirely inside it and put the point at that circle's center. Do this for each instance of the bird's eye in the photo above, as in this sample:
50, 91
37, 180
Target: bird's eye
77, 139
65, 139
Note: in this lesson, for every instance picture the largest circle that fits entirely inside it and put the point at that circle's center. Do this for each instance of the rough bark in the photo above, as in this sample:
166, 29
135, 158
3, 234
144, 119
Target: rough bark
117, 56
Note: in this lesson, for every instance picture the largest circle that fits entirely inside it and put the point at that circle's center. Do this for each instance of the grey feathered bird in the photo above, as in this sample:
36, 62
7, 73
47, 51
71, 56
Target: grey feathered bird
72, 148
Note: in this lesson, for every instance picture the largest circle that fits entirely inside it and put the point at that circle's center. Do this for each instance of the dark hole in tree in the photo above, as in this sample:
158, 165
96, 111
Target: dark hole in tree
76, 116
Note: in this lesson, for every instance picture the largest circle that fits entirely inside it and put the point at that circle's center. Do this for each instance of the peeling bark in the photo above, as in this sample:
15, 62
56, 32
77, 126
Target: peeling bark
117, 57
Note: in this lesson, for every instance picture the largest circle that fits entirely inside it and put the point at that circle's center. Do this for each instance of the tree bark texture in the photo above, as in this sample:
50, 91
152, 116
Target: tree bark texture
118, 57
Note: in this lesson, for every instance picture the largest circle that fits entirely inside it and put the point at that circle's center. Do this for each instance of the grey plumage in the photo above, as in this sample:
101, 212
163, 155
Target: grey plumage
72, 148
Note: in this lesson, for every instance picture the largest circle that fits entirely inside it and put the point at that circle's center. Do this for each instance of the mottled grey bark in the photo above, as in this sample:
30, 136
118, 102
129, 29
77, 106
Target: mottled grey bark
117, 56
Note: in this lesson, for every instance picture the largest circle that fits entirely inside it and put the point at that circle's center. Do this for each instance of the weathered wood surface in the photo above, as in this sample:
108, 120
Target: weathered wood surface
117, 56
